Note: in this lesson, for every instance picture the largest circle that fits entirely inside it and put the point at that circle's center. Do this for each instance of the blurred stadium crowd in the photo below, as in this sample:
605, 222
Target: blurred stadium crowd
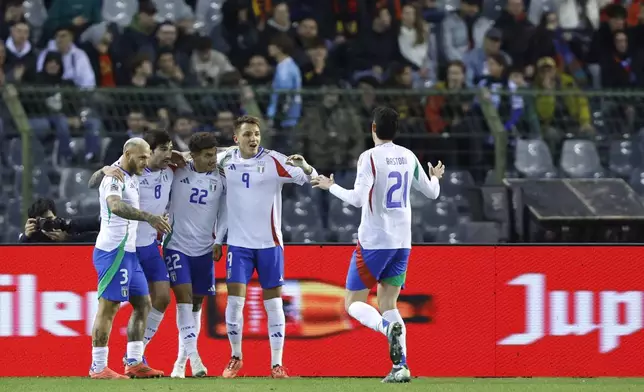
92, 73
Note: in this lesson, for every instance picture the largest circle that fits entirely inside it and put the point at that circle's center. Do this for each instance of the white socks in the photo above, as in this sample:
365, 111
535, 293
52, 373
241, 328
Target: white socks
135, 351
197, 317
368, 316
187, 329
182, 355
99, 358
235, 324
276, 328
152, 325
393, 316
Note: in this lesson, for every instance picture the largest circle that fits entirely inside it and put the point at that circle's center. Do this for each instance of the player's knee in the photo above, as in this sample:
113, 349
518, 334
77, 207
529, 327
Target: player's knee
161, 302
141, 304
107, 308
183, 294
275, 292
197, 303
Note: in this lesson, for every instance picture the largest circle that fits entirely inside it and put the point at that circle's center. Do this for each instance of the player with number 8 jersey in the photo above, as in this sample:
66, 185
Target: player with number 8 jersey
198, 219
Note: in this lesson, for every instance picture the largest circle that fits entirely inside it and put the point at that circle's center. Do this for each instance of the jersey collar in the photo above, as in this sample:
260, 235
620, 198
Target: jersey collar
259, 152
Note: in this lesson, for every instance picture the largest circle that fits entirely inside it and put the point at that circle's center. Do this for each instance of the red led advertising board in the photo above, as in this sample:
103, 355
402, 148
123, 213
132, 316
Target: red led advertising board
469, 311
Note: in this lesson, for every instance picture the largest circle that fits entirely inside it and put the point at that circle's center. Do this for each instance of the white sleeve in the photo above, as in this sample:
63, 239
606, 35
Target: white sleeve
112, 187
85, 77
291, 174
359, 195
221, 226
429, 187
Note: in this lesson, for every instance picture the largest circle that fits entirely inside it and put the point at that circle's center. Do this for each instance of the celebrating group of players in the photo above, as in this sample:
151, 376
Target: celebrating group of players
197, 199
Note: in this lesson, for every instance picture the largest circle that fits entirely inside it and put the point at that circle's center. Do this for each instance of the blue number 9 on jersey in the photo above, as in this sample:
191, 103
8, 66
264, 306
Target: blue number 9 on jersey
246, 179
397, 199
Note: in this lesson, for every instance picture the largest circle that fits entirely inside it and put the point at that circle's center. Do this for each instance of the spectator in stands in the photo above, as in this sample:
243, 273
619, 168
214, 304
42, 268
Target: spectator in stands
187, 35
330, 134
182, 130
224, 128
375, 48
416, 44
76, 15
240, 32
517, 32
169, 74
445, 113
78, 68
622, 67
13, 11
258, 72
166, 41
464, 30
318, 72
573, 14
208, 64
137, 124
21, 55
497, 80
280, 23
637, 28
408, 106
554, 126
43, 226
550, 40
306, 33
476, 59
140, 33
344, 20
141, 71
603, 39
97, 43
285, 108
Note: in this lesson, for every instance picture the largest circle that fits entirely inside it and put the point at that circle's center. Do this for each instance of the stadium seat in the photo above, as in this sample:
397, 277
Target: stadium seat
13, 215
449, 235
345, 179
580, 159
418, 200
532, 159
35, 12
622, 157
306, 235
438, 216
66, 209
479, 232
209, 14
343, 214
343, 234
89, 206
296, 213
455, 186
637, 181
11, 234
73, 183
169, 9
40, 186
120, 12
14, 153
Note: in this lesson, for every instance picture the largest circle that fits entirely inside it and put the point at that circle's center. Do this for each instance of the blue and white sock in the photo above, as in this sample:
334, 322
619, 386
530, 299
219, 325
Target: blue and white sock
368, 316
393, 316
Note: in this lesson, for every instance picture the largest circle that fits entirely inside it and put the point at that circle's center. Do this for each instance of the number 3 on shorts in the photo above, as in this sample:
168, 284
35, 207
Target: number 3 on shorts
123, 272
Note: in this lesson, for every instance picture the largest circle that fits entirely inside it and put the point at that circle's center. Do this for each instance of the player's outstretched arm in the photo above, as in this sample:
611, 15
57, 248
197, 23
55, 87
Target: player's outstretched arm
357, 196
126, 211
305, 173
106, 171
430, 187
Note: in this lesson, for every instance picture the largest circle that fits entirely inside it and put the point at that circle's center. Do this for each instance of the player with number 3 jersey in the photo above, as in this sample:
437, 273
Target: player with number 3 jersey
385, 176
198, 219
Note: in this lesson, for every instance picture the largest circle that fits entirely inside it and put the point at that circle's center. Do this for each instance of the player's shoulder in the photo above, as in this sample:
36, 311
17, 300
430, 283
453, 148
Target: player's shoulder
266, 153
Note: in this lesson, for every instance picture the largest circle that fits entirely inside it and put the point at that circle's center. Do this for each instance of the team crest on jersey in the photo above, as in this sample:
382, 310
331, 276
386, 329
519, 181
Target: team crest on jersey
213, 185
124, 291
261, 166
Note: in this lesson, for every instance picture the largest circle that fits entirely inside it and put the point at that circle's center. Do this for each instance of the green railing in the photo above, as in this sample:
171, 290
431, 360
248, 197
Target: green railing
334, 127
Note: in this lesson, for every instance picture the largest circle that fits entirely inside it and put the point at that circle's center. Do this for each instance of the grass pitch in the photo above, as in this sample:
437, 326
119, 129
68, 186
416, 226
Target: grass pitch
211, 384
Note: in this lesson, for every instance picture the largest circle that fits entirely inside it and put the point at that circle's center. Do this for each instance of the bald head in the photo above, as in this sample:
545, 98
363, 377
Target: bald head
135, 143
136, 152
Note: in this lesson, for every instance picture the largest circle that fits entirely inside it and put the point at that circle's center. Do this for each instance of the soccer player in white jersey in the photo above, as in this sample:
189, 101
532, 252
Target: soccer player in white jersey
154, 193
385, 176
198, 218
120, 277
255, 177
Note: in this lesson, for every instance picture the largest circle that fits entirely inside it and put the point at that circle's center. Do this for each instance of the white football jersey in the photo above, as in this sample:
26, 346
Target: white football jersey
154, 193
254, 199
115, 231
197, 211
385, 176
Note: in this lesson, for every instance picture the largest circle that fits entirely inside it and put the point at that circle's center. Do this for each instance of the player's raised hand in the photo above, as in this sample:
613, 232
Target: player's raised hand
178, 159
298, 160
436, 171
113, 171
322, 182
217, 252
160, 223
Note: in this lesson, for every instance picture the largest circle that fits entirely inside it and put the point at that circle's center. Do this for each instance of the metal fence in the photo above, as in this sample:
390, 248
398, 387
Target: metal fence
472, 130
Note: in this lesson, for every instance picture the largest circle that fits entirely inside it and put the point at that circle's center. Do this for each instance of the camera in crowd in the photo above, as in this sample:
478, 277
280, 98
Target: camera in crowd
52, 224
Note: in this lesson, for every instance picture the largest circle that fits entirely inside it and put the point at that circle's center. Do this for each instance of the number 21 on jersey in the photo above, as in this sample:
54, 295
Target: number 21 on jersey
397, 186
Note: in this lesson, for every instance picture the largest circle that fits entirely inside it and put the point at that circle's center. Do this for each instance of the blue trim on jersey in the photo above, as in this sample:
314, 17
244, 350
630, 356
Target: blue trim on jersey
147, 170
259, 152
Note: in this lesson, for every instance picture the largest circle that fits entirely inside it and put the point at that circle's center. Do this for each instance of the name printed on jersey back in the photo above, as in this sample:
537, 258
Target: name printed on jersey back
396, 161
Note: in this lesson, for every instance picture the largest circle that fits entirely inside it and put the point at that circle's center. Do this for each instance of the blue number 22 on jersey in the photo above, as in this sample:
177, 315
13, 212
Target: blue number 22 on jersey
400, 181
198, 196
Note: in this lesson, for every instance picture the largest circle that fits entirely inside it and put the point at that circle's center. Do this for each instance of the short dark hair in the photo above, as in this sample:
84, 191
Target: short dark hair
202, 141
499, 59
386, 120
138, 60
283, 42
246, 120
156, 138
40, 207
203, 44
